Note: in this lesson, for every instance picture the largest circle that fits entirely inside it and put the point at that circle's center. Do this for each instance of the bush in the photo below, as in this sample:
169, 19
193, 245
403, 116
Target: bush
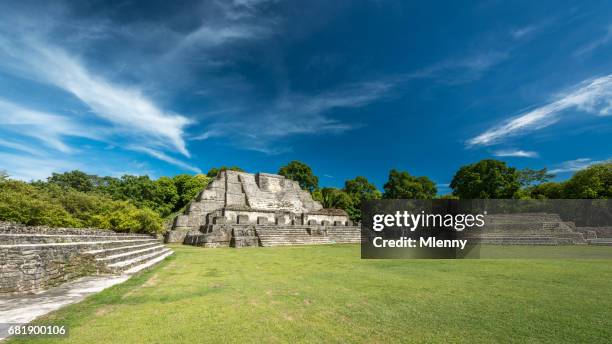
56, 206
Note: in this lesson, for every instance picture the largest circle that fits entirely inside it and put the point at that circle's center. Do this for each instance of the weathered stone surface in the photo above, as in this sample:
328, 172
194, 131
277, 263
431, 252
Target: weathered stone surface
36, 258
263, 201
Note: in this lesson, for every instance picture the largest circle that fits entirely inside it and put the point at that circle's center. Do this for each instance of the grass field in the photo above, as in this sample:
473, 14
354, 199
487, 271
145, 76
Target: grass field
328, 294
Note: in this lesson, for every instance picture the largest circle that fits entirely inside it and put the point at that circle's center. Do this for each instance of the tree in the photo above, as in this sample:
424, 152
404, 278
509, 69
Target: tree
528, 177
549, 190
301, 173
486, 179
75, 179
592, 182
3, 175
362, 189
335, 198
359, 189
401, 185
188, 186
212, 173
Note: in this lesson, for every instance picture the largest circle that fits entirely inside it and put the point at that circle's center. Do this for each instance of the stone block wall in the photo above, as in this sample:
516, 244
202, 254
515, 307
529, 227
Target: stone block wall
36, 258
30, 269
600, 232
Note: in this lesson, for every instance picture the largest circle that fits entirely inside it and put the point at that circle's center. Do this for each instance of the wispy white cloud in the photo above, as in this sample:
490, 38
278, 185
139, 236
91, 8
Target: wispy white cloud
595, 44
19, 147
127, 109
164, 157
522, 32
27, 168
48, 128
592, 96
576, 165
207, 36
298, 114
463, 69
515, 153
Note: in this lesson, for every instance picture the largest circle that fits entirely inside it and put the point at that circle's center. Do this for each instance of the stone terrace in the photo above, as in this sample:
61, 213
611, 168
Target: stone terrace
36, 258
241, 209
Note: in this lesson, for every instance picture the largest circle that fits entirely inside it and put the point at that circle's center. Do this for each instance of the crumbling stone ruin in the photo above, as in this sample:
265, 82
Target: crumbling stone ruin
538, 229
240, 209
36, 258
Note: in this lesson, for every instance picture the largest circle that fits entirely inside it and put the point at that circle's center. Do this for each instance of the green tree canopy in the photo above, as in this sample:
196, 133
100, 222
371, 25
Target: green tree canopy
486, 179
188, 186
58, 206
402, 185
528, 177
76, 179
215, 170
359, 189
592, 182
301, 173
549, 190
335, 198
362, 189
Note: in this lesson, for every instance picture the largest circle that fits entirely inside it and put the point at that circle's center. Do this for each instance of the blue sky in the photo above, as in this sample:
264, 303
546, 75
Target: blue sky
349, 87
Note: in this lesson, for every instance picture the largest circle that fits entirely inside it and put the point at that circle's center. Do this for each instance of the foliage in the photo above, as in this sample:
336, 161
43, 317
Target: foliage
301, 173
447, 196
3, 175
76, 180
402, 185
549, 190
335, 198
215, 170
359, 189
26, 204
592, 182
164, 195
528, 177
188, 186
486, 179
60, 206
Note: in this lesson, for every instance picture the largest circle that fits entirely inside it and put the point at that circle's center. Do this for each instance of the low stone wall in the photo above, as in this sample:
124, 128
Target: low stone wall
16, 228
248, 235
27, 269
600, 232
35, 258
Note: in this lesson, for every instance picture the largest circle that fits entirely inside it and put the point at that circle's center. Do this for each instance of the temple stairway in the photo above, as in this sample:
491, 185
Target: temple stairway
111, 252
303, 236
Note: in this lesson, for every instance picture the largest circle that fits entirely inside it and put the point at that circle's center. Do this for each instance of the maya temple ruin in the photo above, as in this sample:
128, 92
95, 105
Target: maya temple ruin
240, 209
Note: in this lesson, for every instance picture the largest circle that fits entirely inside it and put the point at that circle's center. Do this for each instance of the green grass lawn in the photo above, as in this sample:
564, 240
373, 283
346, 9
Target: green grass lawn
328, 294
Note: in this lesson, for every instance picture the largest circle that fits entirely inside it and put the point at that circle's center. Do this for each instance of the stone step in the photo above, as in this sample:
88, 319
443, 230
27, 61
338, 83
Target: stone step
515, 240
149, 263
601, 242
125, 265
48, 238
120, 257
87, 246
104, 252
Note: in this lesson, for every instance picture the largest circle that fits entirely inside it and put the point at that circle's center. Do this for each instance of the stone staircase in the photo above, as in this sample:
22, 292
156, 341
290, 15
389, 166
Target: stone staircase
286, 236
290, 236
112, 253
600, 241
344, 235
514, 240
118, 257
34, 258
